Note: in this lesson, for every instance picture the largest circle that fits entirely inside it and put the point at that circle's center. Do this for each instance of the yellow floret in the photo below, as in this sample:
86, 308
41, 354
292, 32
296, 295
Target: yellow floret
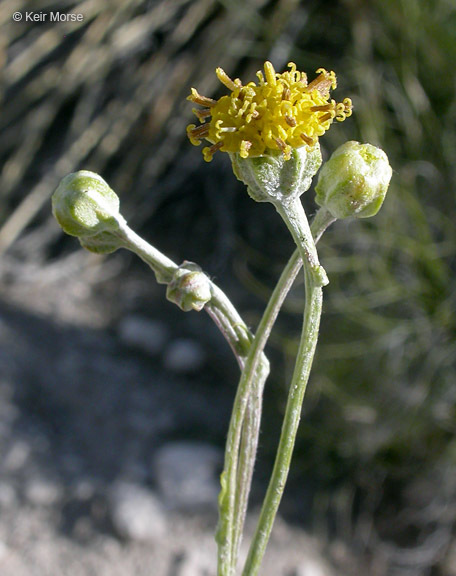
280, 113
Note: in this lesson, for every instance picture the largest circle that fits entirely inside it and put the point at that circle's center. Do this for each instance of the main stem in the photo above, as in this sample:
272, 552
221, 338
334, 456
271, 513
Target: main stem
252, 390
251, 424
314, 277
227, 498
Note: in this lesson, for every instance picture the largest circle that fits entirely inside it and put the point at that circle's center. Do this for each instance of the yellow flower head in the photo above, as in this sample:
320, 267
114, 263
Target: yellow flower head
282, 112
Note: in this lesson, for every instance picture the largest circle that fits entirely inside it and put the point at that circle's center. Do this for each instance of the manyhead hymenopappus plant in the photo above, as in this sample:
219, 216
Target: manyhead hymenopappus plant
270, 131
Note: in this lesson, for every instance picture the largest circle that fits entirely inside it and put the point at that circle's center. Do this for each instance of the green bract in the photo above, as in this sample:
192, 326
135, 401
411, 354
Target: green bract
85, 206
271, 178
354, 181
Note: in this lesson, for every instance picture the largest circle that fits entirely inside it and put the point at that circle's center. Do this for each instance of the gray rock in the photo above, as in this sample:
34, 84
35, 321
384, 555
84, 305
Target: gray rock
184, 356
42, 491
201, 559
17, 456
187, 475
136, 513
7, 495
146, 335
314, 567
3, 550
84, 488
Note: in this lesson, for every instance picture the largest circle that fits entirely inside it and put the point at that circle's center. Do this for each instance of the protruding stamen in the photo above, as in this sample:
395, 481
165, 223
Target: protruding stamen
290, 120
201, 114
201, 100
324, 82
307, 139
327, 116
286, 94
323, 108
226, 80
199, 132
329, 76
209, 151
281, 144
194, 141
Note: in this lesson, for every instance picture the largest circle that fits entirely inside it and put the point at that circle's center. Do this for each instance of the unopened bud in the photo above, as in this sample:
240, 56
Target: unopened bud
85, 206
354, 181
271, 178
103, 243
190, 288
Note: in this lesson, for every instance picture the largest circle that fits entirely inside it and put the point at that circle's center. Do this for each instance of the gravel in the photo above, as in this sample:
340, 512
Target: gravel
187, 475
137, 513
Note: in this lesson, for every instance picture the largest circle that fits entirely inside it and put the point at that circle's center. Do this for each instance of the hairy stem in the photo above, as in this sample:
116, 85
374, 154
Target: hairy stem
250, 433
314, 277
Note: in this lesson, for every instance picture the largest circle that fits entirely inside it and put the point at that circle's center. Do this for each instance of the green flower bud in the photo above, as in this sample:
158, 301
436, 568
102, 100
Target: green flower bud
190, 288
354, 181
271, 178
102, 243
85, 206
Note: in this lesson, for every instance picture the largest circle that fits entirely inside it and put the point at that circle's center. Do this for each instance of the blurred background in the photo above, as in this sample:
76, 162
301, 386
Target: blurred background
106, 387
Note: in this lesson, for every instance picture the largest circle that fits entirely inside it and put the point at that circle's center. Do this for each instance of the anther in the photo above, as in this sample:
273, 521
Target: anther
286, 94
226, 80
324, 82
200, 131
281, 144
323, 108
202, 100
307, 139
328, 116
202, 114
290, 120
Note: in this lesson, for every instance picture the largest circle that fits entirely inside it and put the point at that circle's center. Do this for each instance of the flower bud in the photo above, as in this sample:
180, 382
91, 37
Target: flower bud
190, 288
271, 178
102, 243
354, 181
85, 206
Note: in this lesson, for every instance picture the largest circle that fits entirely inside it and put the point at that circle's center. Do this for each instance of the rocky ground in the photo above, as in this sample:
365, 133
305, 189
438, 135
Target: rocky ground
111, 435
